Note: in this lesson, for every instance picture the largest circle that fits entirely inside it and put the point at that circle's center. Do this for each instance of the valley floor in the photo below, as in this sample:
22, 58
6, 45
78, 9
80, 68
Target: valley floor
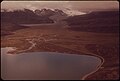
61, 40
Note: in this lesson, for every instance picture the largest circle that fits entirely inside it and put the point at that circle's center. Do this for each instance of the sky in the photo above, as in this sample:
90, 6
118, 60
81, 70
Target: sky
74, 5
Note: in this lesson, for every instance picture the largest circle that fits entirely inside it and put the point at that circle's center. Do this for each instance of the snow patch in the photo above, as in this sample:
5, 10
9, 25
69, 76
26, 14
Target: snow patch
70, 12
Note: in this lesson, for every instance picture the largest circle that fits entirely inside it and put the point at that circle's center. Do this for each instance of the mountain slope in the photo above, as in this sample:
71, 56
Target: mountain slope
10, 21
23, 17
102, 21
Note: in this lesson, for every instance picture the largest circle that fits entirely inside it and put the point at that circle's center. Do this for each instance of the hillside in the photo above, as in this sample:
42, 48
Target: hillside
10, 21
102, 21
25, 16
8, 28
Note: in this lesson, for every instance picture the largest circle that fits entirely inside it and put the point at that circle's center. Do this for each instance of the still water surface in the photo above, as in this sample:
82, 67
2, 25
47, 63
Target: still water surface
46, 65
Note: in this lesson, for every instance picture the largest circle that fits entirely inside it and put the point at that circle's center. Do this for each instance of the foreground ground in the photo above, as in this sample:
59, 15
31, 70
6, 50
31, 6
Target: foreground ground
62, 40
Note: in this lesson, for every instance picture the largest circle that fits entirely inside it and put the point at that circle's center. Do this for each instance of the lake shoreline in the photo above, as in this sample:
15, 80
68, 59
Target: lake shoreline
84, 77
13, 49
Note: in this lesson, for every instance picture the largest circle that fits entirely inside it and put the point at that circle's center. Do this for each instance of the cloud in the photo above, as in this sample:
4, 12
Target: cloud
29, 6
74, 5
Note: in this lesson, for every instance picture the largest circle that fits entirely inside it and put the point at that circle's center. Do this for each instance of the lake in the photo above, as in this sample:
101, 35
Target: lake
30, 25
46, 65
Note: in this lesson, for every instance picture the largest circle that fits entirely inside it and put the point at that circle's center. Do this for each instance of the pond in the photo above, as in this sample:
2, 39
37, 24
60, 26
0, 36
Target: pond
46, 65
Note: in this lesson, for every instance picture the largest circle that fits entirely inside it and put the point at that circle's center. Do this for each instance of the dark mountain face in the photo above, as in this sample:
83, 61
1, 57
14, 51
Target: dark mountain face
60, 12
102, 21
25, 16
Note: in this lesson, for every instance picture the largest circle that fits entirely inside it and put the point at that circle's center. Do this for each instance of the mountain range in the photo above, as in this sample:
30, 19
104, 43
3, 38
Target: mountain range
28, 16
11, 20
99, 21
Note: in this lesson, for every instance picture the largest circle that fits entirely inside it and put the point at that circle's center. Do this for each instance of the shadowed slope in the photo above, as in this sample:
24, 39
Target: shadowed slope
102, 21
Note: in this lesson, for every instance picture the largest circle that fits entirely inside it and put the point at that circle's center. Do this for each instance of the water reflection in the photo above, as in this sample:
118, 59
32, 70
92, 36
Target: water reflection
46, 65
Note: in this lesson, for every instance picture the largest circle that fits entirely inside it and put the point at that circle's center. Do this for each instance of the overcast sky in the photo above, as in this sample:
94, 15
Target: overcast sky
75, 5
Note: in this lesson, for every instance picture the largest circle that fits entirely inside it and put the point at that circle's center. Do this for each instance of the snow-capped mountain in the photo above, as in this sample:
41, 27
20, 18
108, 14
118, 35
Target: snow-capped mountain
64, 12
57, 14
44, 12
71, 12
49, 12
